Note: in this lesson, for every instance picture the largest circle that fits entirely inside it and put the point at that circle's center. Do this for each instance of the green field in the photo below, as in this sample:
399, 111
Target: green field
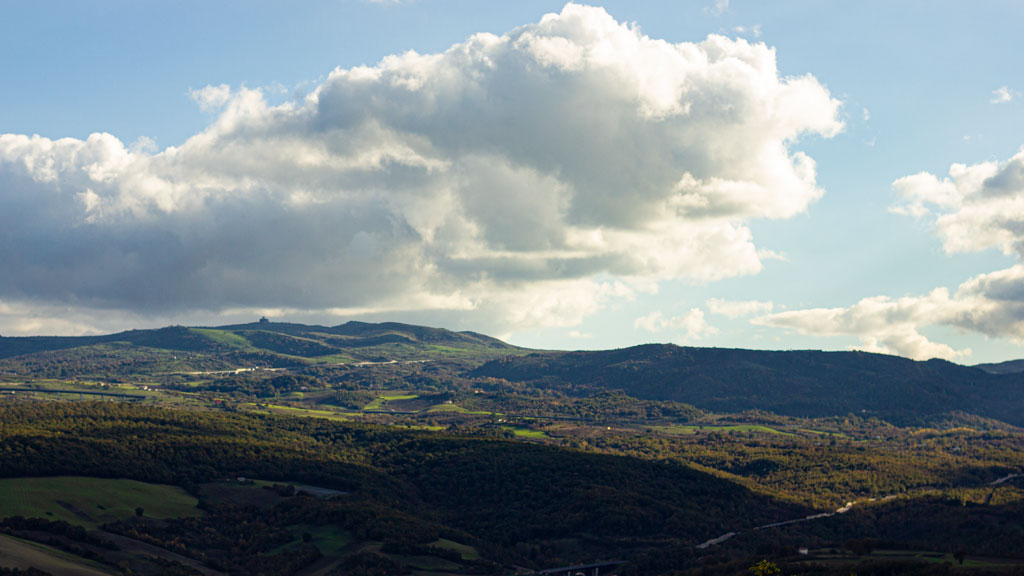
467, 552
329, 539
22, 555
224, 337
525, 432
90, 502
308, 412
823, 432
381, 401
697, 429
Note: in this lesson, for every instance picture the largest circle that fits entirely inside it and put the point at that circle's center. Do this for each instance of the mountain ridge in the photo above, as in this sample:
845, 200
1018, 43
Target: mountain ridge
361, 334
803, 383
795, 383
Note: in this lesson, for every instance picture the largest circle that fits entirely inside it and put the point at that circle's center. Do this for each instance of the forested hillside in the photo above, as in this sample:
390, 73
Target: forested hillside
255, 345
397, 449
795, 383
520, 503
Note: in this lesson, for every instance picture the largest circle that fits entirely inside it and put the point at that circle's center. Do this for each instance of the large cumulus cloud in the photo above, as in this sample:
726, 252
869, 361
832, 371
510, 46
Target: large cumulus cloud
562, 166
977, 207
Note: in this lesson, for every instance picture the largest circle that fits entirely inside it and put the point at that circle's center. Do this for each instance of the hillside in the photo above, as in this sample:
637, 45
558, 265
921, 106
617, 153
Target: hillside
259, 344
794, 383
1008, 367
517, 503
438, 453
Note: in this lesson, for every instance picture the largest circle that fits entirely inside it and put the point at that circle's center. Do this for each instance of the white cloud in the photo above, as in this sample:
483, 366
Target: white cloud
991, 304
211, 98
738, 309
691, 325
718, 8
30, 318
519, 180
754, 30
882, 324
1002, 95
977, 207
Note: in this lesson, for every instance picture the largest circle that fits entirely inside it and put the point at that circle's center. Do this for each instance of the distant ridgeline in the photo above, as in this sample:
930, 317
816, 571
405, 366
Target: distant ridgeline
277, 342
793, 383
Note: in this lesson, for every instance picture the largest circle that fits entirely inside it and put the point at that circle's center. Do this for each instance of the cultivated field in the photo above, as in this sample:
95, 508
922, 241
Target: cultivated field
90, 502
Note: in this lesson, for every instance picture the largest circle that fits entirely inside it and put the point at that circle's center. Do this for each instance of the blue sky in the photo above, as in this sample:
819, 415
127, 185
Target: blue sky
242, 177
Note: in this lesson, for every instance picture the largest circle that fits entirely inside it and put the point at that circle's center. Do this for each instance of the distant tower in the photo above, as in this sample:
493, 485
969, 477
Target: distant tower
263, 320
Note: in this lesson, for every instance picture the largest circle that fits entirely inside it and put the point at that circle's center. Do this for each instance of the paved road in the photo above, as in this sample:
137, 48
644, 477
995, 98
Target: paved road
1004, 479
843, 510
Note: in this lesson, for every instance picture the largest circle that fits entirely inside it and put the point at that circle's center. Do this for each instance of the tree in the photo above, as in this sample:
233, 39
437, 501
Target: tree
765, 568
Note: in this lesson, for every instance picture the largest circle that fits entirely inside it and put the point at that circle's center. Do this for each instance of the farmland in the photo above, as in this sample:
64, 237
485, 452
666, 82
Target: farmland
91, 502
337, 456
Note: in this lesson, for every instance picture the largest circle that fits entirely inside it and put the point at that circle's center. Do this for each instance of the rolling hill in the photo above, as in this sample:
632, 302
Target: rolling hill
794, 383
519, 502
258, 344
803, 383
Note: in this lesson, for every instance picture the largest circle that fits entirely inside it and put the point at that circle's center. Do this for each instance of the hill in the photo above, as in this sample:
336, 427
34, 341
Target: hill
258, 344
1008, 367
391, 448
794, 383
518, 503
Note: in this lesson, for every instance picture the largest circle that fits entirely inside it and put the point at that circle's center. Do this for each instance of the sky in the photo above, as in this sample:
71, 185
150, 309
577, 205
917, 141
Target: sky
783, 175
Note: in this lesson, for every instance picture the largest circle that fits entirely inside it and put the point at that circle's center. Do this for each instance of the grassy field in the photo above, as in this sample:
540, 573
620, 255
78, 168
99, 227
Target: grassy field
224, 337
298, 411
21, 554
250, 493
697, 429
90, 502
467, 552
457, 408
381, 401
329, 538
823, 432
525, 432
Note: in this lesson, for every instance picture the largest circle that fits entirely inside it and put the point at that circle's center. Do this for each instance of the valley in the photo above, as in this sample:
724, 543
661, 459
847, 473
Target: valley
426, 451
